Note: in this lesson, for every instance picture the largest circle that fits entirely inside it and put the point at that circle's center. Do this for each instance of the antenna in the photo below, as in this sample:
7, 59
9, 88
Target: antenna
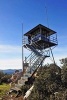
46, 14
22, 48
48, 27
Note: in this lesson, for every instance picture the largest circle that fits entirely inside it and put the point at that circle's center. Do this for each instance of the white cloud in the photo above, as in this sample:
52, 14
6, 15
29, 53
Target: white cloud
10, 64
13, 49
15, 63
10, 49
10, 61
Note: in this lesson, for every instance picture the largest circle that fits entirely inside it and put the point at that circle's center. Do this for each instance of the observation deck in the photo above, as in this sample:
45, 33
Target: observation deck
41, 37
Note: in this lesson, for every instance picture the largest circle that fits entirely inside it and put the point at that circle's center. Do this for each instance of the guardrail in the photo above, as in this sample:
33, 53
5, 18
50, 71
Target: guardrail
52, 39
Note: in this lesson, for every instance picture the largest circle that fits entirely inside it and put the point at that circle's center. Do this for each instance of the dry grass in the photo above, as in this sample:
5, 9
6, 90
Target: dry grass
3, 89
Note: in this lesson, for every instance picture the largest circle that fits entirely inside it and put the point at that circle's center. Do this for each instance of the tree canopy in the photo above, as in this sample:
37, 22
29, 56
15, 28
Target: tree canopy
50, 84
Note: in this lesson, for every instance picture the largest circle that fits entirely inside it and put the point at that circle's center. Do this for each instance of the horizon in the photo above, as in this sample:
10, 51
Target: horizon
14, 13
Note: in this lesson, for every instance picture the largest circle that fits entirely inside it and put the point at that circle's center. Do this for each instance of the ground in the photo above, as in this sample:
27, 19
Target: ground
12, 98
3, 89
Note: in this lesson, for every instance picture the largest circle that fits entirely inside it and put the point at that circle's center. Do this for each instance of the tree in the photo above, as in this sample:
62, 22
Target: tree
50, 83
1, 75
64, 75
47, 82
63, 61
64, 71
5, 78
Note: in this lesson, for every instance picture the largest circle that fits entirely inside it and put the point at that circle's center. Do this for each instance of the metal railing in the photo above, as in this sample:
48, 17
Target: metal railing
52, 39
34, 59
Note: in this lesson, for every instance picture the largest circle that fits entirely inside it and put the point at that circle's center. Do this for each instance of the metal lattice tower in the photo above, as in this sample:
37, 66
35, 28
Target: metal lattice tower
39, 41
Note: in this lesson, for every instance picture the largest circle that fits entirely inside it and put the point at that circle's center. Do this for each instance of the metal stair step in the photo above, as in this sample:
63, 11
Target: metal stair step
34, 50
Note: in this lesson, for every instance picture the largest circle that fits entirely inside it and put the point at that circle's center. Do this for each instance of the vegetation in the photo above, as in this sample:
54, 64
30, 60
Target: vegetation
4, 78
4, 86
3, 89
51, 83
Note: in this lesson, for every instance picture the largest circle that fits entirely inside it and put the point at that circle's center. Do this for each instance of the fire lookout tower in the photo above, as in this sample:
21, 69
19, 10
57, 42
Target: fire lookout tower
38, 40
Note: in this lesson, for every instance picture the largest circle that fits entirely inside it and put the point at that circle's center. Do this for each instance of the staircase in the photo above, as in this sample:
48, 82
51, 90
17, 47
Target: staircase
35, 60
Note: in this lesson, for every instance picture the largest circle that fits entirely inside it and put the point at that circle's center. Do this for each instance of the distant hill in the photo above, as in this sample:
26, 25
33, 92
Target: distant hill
10, 71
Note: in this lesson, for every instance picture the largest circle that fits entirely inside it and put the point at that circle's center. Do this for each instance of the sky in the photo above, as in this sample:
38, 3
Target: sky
14, 13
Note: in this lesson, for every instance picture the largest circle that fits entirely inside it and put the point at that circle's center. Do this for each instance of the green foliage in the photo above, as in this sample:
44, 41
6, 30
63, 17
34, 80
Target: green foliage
1, 75
25, 88
64, 61
50, 84
4, 77
64, 75
3, 89
34, 95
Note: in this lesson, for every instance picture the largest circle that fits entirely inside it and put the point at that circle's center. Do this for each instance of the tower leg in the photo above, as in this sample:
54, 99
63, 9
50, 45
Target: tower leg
52, 56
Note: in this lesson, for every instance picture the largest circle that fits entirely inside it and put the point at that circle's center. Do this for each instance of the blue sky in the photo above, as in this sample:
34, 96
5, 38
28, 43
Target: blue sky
29, 12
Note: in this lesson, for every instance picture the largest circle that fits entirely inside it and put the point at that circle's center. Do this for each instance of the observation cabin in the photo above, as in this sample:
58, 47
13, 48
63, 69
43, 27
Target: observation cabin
41, 37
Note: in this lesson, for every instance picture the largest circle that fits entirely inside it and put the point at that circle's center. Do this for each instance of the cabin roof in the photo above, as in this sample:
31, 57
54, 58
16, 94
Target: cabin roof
50, 31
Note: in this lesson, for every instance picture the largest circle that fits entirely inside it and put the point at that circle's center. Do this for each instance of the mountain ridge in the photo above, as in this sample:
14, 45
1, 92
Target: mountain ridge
10, 71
